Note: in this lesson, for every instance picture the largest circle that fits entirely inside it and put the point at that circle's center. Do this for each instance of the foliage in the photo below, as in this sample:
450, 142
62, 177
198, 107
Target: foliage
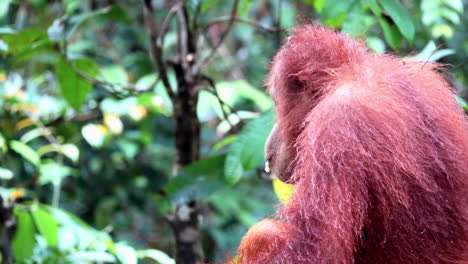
86, 128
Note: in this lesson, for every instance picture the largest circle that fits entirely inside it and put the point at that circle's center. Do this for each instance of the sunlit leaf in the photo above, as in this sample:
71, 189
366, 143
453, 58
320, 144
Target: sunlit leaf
23, 240
94, 134
224, 142
75, 233
114, 74
430, 53
52, 172
23, 40
462, 102
46, 225
118, 107
5, 174
32, 134
244, 7
457, 5
450, 15
318, 4
55, 31
3, 145
442, 30
25, 151
92, 257
4, 6
113, 123
125, 254
72, 5
156, 255
71, 151
376, 44
230, 93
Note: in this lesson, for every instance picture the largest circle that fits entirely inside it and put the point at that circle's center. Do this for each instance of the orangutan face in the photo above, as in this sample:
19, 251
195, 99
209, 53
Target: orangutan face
276, 155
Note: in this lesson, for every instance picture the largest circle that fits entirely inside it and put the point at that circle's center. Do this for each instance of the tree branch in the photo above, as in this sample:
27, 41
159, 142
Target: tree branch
223, 35
156, 47
8, 224
253, 23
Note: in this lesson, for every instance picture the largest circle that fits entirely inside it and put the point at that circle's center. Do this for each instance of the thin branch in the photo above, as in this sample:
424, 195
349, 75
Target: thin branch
127, 86
8, 226
221, 102
253, 23
157, 42
223, 35
183, 36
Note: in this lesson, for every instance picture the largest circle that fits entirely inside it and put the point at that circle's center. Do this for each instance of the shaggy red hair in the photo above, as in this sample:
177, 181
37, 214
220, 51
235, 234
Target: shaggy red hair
381, 155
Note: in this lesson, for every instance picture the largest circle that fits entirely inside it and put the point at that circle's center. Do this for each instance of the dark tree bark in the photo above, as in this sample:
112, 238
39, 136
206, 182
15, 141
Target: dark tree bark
8, 225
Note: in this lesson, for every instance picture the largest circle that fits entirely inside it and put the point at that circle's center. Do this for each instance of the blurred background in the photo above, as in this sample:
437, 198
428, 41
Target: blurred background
124, 123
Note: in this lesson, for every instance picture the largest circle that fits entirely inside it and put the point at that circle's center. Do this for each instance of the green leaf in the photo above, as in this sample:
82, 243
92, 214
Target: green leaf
114, 74
246, 152
391, 33
4, 6
244, 6
333, 9
24, 40
231, 92
357, 21
376, 44
462, 102
457, 5
5, 174
25, 151
91, 257
23, 240
375, 8
450, 15
125, 254
207, 4
52, 172
46, 225
75, 233
113, 13
224, 142
400, 16
72, 5
73, 87
197, 181
318, 5
109, 13
156, 255
94, 134
430, 53
442, 30
71, 151
32, 134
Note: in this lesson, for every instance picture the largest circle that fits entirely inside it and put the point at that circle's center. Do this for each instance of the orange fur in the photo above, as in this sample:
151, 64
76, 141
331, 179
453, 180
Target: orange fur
380, 151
